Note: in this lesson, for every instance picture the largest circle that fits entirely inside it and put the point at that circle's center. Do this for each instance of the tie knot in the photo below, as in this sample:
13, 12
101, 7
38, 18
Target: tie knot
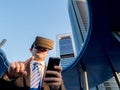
36, 65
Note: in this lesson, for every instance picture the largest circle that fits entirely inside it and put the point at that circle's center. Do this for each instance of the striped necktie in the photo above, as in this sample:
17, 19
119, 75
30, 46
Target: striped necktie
36, 76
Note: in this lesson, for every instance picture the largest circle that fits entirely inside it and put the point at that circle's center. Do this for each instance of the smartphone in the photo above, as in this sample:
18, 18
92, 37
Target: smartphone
53, 61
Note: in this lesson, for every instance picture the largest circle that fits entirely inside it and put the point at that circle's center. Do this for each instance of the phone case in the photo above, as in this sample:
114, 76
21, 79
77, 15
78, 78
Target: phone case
52, 62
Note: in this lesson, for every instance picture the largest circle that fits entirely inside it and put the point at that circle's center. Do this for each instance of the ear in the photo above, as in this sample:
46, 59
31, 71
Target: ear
30, 49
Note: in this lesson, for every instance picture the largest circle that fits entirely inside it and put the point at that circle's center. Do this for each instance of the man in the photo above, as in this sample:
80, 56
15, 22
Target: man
19, 74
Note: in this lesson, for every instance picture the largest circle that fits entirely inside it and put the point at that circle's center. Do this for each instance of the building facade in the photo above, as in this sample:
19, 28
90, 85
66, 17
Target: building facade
79, 17
66, 50
79, 22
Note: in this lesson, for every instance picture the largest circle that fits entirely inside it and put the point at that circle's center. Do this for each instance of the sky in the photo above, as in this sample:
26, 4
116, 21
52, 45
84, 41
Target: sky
22, 20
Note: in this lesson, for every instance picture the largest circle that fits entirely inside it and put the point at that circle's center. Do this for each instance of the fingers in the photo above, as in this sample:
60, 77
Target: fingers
28, 60
56, 80
18, 68
57, 75
58, 68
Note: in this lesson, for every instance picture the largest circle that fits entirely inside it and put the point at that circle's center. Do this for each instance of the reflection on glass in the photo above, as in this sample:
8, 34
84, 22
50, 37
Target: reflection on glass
66, 50
78, 12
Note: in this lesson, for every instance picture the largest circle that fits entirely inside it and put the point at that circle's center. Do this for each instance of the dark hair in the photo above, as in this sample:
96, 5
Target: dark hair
32, 45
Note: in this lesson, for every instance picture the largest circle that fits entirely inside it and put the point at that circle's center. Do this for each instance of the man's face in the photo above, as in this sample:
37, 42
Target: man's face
39, 53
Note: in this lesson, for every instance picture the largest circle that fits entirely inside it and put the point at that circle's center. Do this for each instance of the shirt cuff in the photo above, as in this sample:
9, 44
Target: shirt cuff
5, 77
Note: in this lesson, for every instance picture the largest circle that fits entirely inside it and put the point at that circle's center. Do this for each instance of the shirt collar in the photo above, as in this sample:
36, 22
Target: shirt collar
41, 62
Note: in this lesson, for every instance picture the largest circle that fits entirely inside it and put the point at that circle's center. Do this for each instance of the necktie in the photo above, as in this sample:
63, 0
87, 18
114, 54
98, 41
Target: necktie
36, 77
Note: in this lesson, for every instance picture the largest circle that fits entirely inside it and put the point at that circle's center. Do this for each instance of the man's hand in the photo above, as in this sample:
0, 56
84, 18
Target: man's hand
56, 81
17, 69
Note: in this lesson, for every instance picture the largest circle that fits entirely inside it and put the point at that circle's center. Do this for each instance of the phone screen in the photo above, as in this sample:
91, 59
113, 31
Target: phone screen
53, 61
